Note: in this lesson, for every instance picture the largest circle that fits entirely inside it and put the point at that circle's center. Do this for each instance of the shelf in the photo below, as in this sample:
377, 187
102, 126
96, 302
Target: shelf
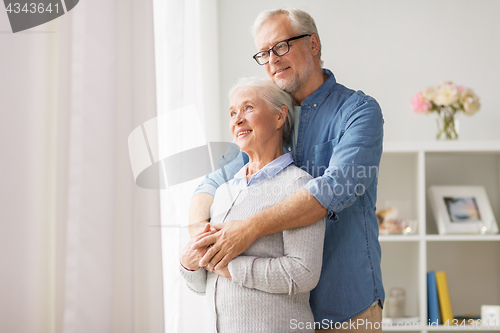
439, 328
400, 328
460, 328
471, 261
453, 238
399, 238
439, 238
441, 146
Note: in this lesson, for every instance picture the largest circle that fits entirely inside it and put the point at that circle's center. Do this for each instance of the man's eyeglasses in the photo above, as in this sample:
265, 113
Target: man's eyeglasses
279, 49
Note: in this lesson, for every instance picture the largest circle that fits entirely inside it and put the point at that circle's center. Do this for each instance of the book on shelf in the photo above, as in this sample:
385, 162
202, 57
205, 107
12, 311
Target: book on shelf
444, 298
432, 299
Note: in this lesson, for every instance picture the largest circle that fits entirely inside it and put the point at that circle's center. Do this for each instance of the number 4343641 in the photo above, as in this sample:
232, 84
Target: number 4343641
32, 8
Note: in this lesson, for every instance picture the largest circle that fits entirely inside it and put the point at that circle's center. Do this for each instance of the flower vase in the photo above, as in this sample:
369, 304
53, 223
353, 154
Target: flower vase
447, 124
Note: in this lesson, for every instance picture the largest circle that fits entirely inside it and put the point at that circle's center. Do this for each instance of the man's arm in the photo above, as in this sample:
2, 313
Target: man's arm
199, 212
199, 208
299, 210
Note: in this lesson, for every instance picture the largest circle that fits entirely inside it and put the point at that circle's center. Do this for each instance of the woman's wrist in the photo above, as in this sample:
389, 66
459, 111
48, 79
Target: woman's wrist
188, 268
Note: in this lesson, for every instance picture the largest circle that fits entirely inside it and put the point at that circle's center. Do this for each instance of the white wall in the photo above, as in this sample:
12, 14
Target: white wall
389, 49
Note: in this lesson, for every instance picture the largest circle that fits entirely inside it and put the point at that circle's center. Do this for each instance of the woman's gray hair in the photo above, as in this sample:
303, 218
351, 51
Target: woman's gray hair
274, 97
301, 21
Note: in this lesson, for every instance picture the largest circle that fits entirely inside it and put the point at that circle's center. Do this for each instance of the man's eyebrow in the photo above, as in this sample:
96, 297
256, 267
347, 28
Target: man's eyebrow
270, 45
266, 48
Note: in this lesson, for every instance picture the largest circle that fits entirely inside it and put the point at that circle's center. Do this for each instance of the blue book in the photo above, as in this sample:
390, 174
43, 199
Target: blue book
432, 299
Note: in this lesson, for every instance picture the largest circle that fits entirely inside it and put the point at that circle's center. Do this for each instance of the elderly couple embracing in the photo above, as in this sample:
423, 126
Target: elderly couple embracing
287, 242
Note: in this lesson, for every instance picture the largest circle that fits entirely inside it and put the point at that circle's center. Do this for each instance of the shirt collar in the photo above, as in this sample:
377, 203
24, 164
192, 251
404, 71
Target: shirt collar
268, 171
323, 91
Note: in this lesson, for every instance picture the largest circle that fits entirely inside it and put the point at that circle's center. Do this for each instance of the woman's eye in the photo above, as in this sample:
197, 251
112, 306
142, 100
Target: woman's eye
232, 114
248, 107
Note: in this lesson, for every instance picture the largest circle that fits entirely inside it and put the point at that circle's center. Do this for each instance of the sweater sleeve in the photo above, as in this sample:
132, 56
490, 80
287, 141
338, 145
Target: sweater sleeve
195, 280
295, 272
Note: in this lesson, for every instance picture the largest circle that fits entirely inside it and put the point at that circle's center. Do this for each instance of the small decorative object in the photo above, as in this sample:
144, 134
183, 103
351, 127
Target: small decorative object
462, 210
395, 303
490, 315
389, 223
447, 100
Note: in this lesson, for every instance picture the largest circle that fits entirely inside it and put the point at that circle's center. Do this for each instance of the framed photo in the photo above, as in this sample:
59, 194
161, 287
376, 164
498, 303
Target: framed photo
462, 210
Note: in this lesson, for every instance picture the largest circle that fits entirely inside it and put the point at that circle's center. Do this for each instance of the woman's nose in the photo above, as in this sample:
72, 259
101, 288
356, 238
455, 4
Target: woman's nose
238, 118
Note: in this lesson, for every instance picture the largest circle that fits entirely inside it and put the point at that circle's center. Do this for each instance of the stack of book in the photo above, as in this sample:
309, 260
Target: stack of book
438, 299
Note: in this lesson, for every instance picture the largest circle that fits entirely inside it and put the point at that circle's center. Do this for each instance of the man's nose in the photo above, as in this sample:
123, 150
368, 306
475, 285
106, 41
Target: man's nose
273, 57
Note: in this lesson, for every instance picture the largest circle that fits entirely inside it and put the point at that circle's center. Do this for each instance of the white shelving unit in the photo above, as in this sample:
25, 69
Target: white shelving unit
472, 262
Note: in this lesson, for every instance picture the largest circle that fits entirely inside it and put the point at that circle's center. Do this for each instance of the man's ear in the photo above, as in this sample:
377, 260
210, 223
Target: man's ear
314, 44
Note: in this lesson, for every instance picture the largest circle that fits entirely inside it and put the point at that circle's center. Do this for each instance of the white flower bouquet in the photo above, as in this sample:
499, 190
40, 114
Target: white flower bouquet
447, 99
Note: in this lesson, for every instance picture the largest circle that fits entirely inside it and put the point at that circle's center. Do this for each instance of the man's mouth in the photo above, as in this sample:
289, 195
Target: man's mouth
279, 71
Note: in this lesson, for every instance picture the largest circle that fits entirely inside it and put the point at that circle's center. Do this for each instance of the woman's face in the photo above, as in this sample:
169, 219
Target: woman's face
254, 126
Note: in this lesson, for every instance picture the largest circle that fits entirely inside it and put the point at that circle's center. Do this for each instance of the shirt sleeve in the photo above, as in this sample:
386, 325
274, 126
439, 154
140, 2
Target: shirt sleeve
298, 270
355, 158
195, 280
228, 165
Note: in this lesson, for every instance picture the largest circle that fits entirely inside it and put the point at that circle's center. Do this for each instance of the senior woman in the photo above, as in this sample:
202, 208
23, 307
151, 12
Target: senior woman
266, 288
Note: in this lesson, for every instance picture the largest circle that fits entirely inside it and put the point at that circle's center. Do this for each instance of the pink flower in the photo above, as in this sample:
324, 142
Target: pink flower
420, 104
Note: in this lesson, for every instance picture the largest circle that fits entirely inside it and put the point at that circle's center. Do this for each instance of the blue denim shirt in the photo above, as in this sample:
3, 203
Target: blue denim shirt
340, 144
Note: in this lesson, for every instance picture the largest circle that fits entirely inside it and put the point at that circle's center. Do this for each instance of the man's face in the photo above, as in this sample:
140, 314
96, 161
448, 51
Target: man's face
292, 70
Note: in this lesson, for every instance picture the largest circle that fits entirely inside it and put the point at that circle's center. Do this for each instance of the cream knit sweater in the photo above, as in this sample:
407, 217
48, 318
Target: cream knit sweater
269, 290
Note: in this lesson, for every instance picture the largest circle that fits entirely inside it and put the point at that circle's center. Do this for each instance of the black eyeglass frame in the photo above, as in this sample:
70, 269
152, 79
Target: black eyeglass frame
272, 48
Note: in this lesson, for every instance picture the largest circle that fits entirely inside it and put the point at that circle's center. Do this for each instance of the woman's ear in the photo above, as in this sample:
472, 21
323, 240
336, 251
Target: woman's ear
282, 114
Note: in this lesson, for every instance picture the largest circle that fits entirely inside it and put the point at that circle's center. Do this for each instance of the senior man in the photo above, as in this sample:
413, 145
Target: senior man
337, 138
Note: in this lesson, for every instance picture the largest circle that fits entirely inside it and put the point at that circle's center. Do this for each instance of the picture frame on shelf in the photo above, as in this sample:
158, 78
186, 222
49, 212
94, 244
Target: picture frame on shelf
462, 210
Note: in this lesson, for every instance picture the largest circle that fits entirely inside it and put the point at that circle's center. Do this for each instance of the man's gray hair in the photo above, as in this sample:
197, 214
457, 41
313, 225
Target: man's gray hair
301, 21
274, 97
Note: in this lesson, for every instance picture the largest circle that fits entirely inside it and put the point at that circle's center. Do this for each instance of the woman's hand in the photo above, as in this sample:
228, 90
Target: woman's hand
232, 239
190, 258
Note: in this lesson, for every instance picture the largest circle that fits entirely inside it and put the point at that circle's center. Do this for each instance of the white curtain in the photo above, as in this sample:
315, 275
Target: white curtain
186, 49
80, 247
